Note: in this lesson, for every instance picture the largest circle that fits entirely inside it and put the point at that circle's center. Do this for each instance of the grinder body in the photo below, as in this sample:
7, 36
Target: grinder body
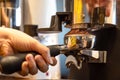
107, 39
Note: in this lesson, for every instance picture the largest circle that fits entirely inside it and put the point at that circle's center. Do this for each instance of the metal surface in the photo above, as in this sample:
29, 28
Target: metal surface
95, 56
11, 4
79, 41
12, 11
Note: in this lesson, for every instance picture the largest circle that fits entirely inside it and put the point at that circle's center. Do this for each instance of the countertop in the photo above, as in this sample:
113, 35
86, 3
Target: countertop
2, 77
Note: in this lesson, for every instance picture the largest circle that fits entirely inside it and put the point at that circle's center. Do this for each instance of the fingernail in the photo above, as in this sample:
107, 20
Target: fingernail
51, 61
30, 57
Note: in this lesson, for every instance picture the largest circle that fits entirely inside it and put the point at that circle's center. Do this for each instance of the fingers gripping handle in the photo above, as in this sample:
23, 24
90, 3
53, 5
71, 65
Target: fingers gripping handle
11, 64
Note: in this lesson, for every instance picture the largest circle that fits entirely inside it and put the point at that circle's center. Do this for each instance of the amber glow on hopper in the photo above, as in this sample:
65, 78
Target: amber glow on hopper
78, 11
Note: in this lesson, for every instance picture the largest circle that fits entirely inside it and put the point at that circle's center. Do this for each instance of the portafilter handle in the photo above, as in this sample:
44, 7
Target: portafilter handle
12, 63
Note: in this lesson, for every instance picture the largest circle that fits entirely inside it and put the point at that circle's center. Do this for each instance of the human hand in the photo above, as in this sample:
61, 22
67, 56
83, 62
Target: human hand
13, 41
90, 4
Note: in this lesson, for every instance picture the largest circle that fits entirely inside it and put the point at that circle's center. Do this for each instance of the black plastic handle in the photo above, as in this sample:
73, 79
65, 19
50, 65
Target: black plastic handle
11, 64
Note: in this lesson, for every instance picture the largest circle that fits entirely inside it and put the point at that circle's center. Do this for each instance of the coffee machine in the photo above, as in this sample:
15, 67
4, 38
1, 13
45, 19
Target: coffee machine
11, 13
